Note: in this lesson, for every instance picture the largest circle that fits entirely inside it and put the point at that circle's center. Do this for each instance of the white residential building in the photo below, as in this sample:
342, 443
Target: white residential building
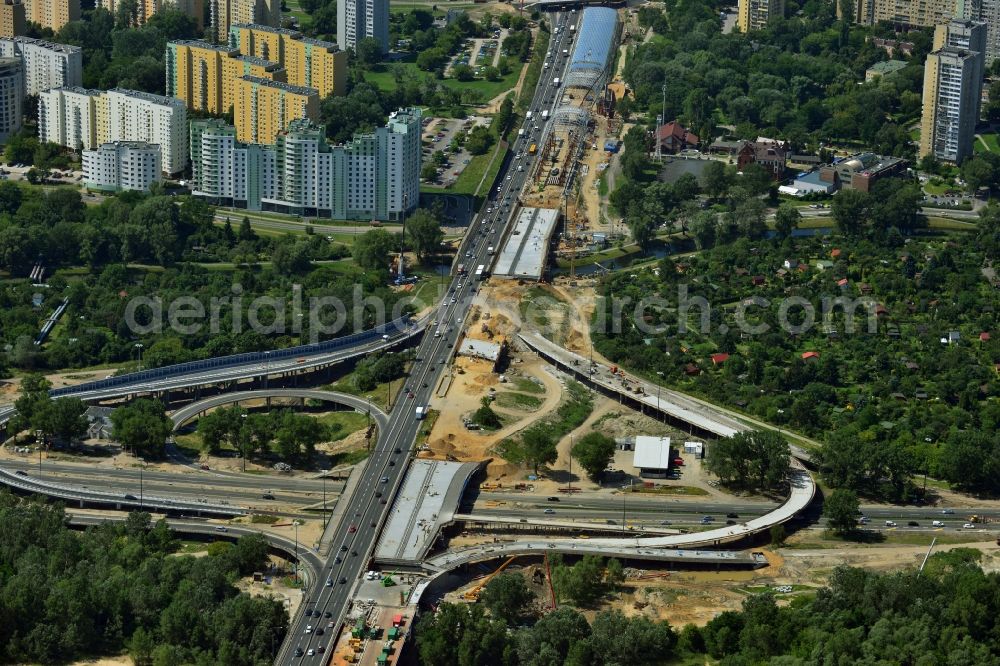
358, 19
67, 116
85, 119
122, 165
130, 115
11, 97
45, 64
374, 176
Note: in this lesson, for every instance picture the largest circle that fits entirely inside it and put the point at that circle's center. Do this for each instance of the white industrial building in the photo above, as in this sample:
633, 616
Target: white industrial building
122, 165
652, 456
85, 119
45, 64
374, 176
11, 97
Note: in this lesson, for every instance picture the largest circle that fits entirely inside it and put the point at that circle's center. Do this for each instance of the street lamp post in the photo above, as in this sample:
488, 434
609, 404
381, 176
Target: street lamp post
139, 346
324, 501
267, 366
243, 440
295, 523
660, 373
142, 464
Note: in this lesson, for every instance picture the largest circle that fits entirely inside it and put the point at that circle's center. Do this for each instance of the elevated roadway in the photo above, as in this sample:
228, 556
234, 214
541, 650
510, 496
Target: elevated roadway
226, 370
358, 404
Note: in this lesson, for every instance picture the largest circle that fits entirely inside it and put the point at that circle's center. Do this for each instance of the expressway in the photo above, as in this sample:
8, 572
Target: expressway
390, 457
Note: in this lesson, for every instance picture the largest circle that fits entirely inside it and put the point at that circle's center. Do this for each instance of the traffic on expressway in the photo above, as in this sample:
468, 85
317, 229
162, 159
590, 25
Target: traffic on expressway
355, 537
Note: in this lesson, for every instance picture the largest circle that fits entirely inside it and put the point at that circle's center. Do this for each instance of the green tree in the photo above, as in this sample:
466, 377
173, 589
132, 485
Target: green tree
485, 416
64, 418
539, 446
851, 210
142, 427
717, 179
977, 172
786, 220
583, 583
507, 597
594, 451
841, 511
372, 249
368, 52
754, 459
424, 233
298, 435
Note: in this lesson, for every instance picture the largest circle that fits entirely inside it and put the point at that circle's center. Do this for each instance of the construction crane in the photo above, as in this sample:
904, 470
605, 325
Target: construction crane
473, 594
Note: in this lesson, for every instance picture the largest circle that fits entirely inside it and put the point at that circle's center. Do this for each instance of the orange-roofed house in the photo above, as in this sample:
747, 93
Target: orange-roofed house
810, 355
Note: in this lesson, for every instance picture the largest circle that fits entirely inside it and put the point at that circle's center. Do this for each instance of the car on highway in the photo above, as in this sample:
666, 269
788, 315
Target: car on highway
298, 652
665, 522
890, 523
352, 529
310, 652
267, 496
937, 523
21, 472
550, 511
385, 479
220, 528
732, 515
947, 512
343, 547
327, 614
392, 463
329, 582
968, 526
912, 523
343, 580
320, 649
309, 629
337, 559
552, 499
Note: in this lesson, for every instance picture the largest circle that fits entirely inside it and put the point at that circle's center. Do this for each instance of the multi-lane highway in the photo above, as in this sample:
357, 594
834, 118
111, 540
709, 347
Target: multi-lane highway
355, 536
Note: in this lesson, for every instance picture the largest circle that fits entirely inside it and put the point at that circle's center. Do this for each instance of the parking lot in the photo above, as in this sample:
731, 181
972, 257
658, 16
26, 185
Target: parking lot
438, 134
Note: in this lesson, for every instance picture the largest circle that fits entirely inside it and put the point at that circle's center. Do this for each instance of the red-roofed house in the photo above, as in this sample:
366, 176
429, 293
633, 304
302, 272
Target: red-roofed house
719, 359
835, 252
984, 337
842, 282
806, 356
673, 138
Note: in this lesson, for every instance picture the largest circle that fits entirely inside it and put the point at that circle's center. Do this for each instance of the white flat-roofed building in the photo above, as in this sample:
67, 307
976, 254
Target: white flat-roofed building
652, 456
523, 255
45, 64
67, 116
130, 115
122, 165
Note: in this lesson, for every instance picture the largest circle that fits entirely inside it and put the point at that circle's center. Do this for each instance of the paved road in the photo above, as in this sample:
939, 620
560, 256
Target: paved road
386, 467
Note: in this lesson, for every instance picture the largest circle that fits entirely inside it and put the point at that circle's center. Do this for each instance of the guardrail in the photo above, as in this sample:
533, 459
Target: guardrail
392, 328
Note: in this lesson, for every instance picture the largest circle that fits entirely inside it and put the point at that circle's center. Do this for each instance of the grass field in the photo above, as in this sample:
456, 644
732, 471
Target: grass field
525, 385
992, 145
342, 424
385, 80
521, 401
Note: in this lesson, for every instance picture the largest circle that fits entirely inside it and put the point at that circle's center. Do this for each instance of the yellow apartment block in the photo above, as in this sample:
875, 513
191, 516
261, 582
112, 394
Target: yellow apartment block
309, 62
12, 18
52, 13
204, 75
263, 108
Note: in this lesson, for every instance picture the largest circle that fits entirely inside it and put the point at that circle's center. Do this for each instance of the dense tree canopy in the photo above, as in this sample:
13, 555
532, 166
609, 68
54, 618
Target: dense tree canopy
121, 587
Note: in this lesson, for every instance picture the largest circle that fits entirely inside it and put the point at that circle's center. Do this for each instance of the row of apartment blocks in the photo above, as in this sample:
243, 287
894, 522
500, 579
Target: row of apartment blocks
222, 13
53, 14
928, 13
84, 119
374, 176
267, 78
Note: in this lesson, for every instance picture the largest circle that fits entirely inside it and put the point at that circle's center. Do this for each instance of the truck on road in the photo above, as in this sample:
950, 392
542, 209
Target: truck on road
545, 114
480, 271
421, 412
533, 149
555, 84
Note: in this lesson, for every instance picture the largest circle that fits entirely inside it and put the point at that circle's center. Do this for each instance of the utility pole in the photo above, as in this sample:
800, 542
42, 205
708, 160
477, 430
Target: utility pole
138, 346
324, 501
296, 563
